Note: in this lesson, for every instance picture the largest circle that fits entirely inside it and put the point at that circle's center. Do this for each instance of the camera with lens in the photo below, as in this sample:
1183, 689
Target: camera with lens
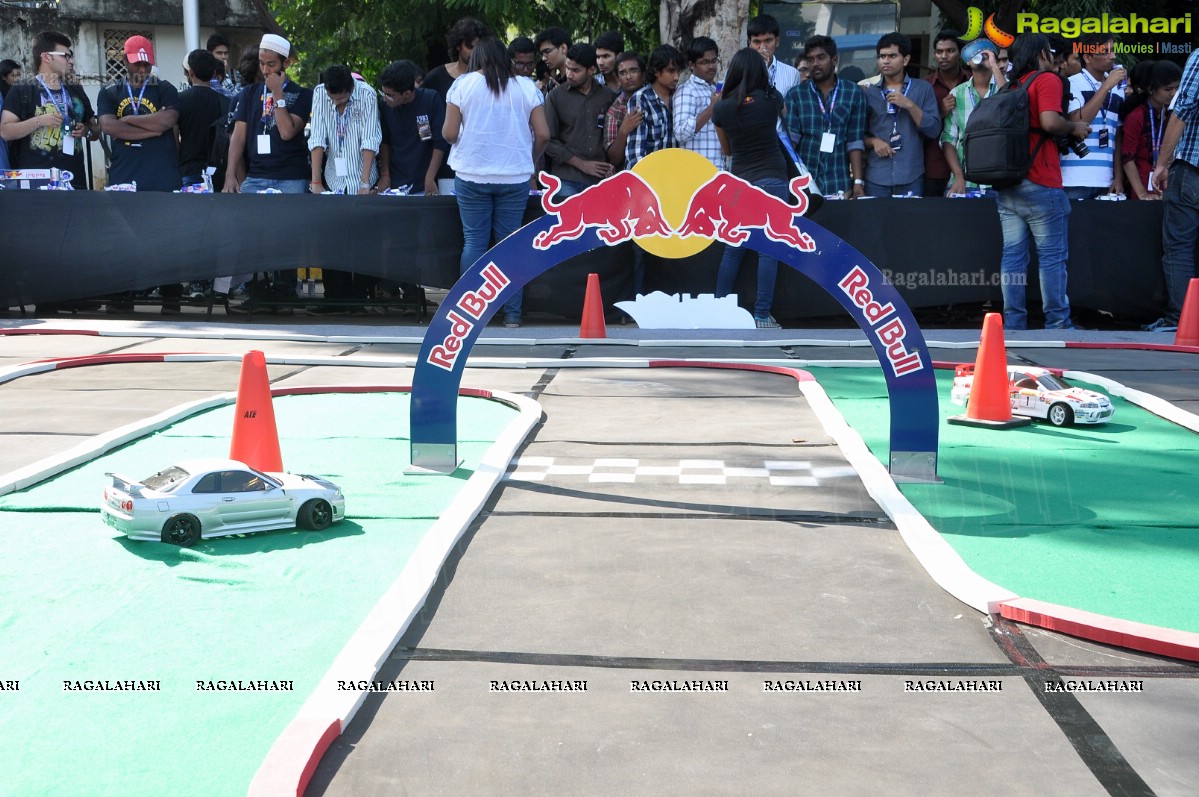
1075, 145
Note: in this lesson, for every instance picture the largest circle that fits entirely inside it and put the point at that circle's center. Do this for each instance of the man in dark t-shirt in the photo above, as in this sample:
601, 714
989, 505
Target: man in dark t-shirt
268, 129
46, 121
413, 148
460, 41
140, 113
199, 107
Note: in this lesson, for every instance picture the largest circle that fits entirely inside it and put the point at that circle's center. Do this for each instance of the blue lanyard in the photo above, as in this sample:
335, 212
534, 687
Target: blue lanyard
1155, 133
65, 107
343, 124
268, 105
1095, 86
137, 104
832, 103
882, 88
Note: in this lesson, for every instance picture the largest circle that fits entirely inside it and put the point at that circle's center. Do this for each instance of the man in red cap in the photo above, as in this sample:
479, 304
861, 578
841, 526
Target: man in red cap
140, 113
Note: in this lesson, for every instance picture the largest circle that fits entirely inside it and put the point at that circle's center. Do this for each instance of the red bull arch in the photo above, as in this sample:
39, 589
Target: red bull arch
675, 203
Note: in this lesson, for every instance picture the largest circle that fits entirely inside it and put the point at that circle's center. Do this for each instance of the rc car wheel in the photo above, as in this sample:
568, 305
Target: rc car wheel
1061, 415
315, 515
181, 530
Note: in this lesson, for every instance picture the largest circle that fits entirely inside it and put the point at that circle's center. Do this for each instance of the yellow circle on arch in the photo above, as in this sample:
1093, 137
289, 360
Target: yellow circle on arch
674, 174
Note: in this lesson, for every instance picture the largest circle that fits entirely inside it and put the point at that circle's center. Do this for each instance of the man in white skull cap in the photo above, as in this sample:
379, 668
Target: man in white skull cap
268, 132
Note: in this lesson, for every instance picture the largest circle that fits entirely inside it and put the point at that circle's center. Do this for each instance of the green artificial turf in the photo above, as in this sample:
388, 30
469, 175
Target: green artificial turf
1100, 518
79, 602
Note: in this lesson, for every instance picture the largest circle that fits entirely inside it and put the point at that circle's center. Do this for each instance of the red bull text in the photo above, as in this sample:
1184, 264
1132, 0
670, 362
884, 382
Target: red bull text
622, 207
473, 305
889, 331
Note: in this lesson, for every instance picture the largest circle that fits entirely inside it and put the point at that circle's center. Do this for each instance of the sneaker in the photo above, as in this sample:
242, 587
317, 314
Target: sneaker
512, 322
171, 307
1161, 325
767, 323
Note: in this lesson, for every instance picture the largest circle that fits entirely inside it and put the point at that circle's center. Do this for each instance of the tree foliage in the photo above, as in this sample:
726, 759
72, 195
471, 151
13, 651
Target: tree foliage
368, 36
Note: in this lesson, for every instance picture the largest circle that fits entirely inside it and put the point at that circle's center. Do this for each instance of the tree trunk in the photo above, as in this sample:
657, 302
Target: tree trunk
680, 21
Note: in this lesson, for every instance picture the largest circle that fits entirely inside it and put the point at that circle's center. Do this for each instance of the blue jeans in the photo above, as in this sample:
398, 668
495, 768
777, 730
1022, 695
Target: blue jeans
489, 209
768, 267
1180, 232
252, 185
1029, 207
916, 187
1083, 193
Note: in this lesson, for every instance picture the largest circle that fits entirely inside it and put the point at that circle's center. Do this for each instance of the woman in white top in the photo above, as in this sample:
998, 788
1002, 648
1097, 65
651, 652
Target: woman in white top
497, 127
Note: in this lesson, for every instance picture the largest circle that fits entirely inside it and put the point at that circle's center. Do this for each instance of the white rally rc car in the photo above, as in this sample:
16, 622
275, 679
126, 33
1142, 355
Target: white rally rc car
202, 499
1037, 393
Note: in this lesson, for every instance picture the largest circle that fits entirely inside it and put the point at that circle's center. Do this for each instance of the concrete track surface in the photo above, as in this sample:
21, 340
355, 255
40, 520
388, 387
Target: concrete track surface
682, 588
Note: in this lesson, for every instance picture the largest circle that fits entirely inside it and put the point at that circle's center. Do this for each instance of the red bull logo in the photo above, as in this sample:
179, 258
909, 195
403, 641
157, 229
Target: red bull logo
673, 203
725, 207
473, 305
888, 328
622, 207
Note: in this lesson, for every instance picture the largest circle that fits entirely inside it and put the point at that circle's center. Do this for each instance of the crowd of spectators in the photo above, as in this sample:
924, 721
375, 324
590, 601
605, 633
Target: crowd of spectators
485, 122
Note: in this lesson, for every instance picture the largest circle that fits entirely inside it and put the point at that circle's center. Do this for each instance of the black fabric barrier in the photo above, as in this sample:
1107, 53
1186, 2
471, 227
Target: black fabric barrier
56, 246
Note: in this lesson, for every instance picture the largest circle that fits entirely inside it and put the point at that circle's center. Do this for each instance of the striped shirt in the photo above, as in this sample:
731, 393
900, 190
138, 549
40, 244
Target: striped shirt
1186, 108
691, 98
656, 130
346, 135
1097, 169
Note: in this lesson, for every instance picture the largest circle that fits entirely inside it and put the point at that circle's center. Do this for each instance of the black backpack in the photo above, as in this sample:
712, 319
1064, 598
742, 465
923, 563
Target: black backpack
995, 147
220, 134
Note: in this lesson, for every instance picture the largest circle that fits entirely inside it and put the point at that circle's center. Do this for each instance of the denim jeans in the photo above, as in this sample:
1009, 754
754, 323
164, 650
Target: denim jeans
252, 185
487, 210
1083, 193
1180, 232
916, 188
1029, 207
768, 267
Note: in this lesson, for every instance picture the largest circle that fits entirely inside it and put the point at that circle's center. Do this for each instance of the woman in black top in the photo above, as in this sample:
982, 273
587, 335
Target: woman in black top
745, 119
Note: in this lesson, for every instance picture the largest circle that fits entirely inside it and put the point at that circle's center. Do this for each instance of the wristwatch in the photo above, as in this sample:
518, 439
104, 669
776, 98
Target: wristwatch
281, 102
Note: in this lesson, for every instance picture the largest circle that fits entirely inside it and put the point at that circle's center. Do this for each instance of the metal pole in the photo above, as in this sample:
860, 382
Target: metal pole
191, 24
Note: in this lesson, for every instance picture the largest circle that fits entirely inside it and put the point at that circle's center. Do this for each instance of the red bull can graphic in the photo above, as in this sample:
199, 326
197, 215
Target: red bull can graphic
620, 208
726, 207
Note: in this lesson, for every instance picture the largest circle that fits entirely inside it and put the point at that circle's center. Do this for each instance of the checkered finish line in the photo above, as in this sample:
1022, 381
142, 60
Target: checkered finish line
780, 473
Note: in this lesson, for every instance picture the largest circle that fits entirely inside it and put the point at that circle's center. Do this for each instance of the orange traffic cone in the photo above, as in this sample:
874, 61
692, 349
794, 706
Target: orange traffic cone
255, 438
990, 402
1188, 322
593, 311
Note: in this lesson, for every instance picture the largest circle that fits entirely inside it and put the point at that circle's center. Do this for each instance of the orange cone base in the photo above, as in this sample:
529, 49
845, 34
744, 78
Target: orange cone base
1016, 420
1188, 322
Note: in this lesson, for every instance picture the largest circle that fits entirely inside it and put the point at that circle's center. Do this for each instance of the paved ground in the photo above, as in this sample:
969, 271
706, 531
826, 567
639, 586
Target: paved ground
577, 573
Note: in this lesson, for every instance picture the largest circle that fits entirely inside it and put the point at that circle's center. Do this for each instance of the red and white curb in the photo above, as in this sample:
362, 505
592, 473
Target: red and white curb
293, 757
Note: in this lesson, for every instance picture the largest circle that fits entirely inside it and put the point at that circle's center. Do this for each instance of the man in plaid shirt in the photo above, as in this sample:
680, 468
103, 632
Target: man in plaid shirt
1177, 177
826, 118
694, 100
630, 71
656, 130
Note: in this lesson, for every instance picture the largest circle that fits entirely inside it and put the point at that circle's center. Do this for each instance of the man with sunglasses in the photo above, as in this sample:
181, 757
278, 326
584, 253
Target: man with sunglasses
523, 56
551, 44
694, 100
618, 122
413, 148
47, 121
